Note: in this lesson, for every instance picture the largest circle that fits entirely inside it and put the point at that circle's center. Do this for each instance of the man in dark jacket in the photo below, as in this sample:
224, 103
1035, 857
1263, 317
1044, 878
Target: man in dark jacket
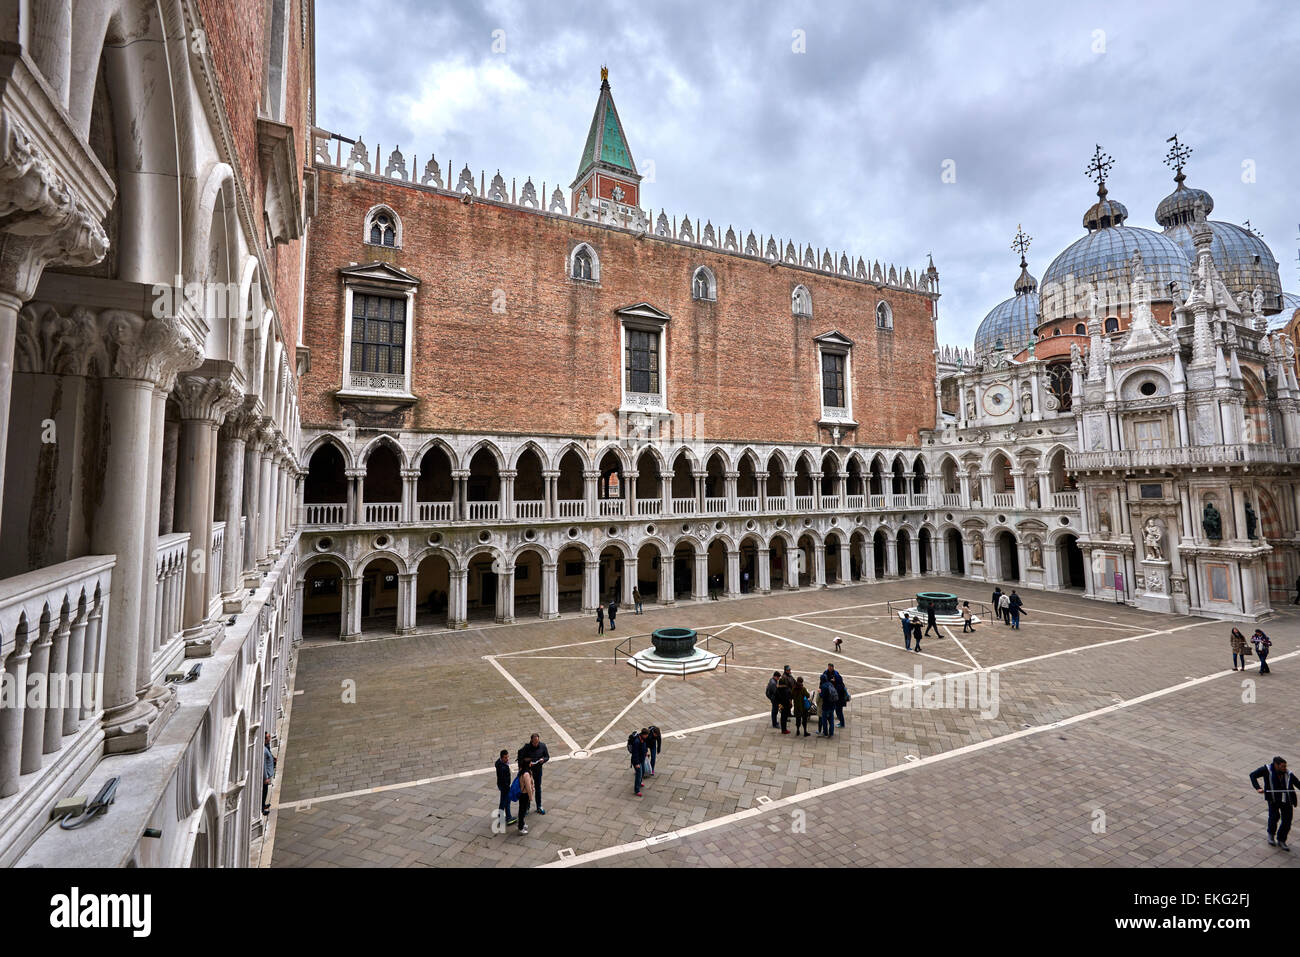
613, 613
771, 695
841, 693
654, 743
785, 698
537, 756
931, 622
1279, 791
997, 598
638, 749
503, 785
1016, 605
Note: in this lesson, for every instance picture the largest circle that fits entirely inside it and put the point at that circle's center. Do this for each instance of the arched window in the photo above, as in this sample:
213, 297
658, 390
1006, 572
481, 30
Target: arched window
703, 285
1060, 385
884, 315
801, 301
585, 265
1080, 329
383, 228
1112, 324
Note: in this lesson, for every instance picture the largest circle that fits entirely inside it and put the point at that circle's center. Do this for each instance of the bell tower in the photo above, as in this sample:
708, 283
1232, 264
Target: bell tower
607, 171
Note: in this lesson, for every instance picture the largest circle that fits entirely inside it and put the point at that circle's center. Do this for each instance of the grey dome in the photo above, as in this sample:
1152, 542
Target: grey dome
1290, 303
1180, 206
1243, 260
1012, 322
1104, 256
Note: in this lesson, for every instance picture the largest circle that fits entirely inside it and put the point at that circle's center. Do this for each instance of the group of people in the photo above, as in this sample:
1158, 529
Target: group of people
526, 788
644, 747
789, 695
1241, 650
1008, 607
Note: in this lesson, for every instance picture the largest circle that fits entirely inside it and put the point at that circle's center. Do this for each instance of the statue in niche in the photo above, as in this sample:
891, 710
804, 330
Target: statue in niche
1252, 523
970, 407
977, 549
1026, 403
1212, 522
1151, 538
1034, 500
1103, 514
1035, 553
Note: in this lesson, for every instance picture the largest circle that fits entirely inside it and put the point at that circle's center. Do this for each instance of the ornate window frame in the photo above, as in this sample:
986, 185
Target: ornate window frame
377, 279
801, 303
595, 263
643, 317
371, 213
885, 320
710, 285
835, 343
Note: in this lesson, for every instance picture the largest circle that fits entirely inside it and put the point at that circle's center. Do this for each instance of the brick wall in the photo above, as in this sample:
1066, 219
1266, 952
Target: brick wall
550, 362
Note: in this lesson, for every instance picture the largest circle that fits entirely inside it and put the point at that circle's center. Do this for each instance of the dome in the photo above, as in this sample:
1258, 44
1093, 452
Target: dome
1011, 322
1103, 258
1290, 303
1180, 205
1243, 260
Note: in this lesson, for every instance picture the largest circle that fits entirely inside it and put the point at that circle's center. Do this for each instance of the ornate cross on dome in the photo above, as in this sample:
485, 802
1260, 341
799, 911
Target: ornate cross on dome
1099, 167
1021, 243
1176, 158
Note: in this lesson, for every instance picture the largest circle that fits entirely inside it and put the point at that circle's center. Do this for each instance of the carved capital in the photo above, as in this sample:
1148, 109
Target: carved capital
207, 399
240, 424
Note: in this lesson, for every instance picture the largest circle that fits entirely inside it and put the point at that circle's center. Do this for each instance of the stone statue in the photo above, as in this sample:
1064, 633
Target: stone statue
1212, 522
1257, 301
977, 550
1252, 522
1151, 538
1033, 494
970, 408
1035, 553
1026, 403
1103, 514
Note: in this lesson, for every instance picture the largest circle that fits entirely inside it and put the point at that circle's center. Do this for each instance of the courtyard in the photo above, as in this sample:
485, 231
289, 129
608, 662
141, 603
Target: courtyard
1096, 735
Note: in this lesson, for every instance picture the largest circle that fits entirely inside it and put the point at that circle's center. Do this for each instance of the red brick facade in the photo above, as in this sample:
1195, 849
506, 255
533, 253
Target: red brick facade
549, 363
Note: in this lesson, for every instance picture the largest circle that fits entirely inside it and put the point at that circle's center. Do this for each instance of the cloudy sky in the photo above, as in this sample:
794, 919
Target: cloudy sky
845, 144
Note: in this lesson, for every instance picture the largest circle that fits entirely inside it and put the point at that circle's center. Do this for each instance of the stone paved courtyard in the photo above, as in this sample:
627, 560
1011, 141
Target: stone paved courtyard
1117, 737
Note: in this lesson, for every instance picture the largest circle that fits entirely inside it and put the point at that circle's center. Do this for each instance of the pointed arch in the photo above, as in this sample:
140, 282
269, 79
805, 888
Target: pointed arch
483, 444
528, 446
385, 439
417, 457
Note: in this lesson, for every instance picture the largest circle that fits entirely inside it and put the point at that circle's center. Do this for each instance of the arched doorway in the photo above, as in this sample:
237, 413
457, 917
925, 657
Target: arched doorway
718, 568
528, 583
381, 492
776, 562
807, 557
434, 489
956, 554
379, 591
1071, 559
683, 569
433, 592
610, 578
748, 566
879, 546
481, 585
322, 600
904, 552
647, 572
325, 489
923, 543
1276, 564
832, 558
570, 575
856, 542
1008, 557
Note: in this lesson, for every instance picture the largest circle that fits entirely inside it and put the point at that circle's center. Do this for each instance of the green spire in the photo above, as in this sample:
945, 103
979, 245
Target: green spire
606, 144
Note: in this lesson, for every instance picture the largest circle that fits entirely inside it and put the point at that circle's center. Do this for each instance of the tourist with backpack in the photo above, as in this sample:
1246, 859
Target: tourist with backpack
636, 599
1262, 644
600, 619
1279, 791
1014, 606
785, 698
771, 695
654, 744
841, 692
636, 746
1004, 609
907, 632
802, 705
916, 633
828, 698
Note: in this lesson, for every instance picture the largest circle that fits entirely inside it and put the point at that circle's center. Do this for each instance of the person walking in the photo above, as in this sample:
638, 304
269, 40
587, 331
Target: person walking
654, 744
785, 697
1004, 609
268, 771
636, 599
503, 785
1279, 791
527, 787
537, 755
1239, 648
801, 703
841, 692
1262, 644
771, 695
907, 632
600, 619
826, 701
931, 622
1014, 604
997, 602
613, 610
965, 618
637, 746
916, 633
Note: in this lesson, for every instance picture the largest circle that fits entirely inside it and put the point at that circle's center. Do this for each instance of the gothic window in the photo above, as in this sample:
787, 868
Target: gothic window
378, 334
884, 316
1112, 324
383, 228
1060, 383
641, 361
584, 264
833, 380
801, 301
1080, 329
703, 286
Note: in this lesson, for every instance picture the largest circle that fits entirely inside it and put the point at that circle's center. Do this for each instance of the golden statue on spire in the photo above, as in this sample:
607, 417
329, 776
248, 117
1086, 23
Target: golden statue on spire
604, 74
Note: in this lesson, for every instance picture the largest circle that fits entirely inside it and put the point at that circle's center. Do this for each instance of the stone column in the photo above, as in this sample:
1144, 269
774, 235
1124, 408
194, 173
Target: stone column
761, 479
266, 500
891, 557
589, 490
914, 549
701, 578
550, 595
817, 491
351, 609
1018, 478
868, 559
730, 479
591, 586
699, 491
505, 610
458, 598
763, 571
792, 568
818, 577
549, 509
252, 494
233, 439
666, 494
733, 574
629, 493
167, 503
963, 479
506, 495
667, 593
409, 479
846, 562
405, 603
204, 402
629, 580
460, 483
1051, 567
